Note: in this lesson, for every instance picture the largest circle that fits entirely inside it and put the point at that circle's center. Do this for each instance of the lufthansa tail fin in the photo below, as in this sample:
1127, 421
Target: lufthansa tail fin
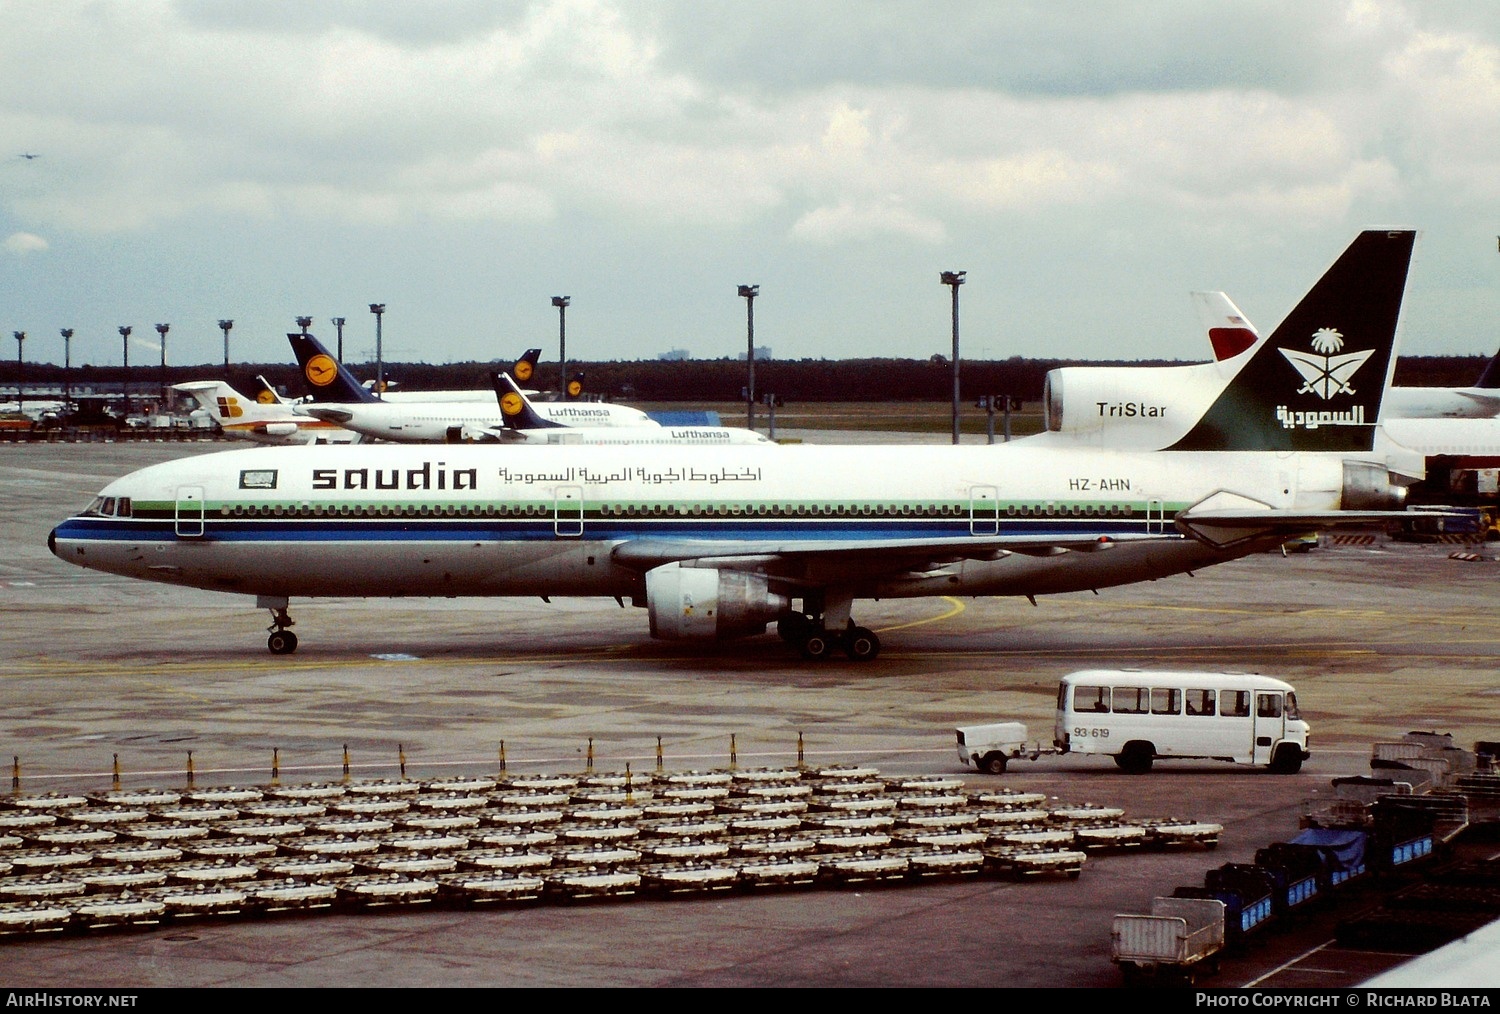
327, 379
1317, 382
575, 387
525, 368
516, 412
268, 395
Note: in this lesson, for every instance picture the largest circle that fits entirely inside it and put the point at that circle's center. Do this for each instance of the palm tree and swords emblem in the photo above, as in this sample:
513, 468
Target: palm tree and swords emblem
1323, 372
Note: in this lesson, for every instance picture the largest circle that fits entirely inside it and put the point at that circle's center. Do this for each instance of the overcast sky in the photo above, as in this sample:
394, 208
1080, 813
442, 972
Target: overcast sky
1088, 164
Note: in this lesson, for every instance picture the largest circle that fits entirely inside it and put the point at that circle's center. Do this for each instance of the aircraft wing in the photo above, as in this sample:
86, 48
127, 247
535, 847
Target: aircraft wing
862, 558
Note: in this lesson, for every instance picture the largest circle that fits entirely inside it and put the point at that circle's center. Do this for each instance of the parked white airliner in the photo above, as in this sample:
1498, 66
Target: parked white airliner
269, 422
522, 423
718, 542
436, 422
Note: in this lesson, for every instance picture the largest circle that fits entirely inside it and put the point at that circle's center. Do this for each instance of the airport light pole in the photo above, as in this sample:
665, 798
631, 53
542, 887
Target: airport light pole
67, 337
20, 369
338, 322
561, 302
304, 323
124, 330
162, 330
377, 309
954, 279
749, 292
225, 325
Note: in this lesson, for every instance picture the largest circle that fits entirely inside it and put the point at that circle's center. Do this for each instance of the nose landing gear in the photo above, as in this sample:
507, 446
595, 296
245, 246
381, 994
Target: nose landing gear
282, 641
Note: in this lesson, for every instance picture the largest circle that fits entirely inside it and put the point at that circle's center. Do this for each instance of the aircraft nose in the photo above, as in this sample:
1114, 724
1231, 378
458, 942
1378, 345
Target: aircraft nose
52, 542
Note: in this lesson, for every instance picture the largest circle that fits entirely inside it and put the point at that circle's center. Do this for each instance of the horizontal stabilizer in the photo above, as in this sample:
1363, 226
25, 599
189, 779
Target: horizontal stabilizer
333, 415
1225, 519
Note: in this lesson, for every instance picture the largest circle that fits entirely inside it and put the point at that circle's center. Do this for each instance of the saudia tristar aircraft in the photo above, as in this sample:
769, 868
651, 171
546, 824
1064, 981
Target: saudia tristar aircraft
718, 542
338, 398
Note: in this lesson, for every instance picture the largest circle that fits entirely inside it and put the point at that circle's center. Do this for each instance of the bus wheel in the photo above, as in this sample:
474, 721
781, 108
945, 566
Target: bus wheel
1136, 757
1287, 760
993, 763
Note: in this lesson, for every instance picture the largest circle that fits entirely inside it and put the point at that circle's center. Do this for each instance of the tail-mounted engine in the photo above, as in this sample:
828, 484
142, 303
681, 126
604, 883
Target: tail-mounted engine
1371, 486
700, 602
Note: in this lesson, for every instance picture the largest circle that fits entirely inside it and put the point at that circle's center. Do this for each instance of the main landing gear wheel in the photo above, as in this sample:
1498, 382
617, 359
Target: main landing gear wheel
861, 644
816, 646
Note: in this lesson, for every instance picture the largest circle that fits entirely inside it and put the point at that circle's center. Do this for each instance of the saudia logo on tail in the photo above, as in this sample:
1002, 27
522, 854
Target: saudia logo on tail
1325, 373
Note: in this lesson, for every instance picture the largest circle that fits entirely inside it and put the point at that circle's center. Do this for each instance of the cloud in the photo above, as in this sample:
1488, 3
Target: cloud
23, 243
847, 222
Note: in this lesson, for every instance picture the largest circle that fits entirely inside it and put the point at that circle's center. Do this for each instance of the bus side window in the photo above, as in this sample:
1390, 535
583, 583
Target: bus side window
1200, 702
1166, 702
1291, 706
1095, 699
1234, 703
1268, 705
1131, 700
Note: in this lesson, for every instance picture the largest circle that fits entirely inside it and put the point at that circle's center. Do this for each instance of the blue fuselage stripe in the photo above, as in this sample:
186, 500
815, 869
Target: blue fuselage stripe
602, 529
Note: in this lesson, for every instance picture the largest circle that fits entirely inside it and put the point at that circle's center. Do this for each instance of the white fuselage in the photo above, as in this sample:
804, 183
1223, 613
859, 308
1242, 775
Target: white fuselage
436, 422
703, 436
484, 520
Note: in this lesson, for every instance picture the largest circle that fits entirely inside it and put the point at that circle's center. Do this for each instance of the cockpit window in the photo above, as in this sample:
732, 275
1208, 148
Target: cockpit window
96, 507
108, 507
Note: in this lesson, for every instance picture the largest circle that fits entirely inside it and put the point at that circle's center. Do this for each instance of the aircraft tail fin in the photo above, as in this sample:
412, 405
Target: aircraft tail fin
327, 379
1316, 384
1229, 332
516, 412
268, 395
221, 401
1490, 378
525, 368
575, 386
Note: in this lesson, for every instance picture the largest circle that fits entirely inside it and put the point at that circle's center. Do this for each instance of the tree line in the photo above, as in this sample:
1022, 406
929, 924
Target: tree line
799, 380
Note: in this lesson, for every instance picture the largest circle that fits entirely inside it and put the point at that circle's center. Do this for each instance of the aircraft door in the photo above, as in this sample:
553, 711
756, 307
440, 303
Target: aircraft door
1270, 723
567, 512
187, 513
1156, 517
984, 510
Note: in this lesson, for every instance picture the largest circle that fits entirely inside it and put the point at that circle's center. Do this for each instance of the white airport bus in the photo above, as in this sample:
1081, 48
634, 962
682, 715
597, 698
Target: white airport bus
1137, 716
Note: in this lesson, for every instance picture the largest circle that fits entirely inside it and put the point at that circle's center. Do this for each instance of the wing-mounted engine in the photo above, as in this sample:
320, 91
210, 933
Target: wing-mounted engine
707, 603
